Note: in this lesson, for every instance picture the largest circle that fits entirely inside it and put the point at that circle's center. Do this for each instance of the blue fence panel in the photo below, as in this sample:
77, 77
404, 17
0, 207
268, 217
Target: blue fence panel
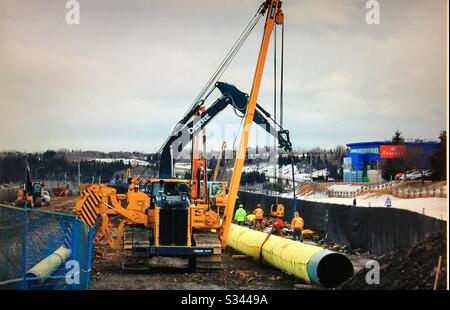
42, 250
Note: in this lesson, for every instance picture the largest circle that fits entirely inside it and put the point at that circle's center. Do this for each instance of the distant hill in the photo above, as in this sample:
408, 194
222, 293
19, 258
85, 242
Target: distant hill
63, 165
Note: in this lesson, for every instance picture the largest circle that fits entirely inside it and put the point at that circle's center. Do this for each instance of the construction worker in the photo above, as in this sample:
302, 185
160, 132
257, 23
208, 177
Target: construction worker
297, 225
259, 217
388, 202
240, 215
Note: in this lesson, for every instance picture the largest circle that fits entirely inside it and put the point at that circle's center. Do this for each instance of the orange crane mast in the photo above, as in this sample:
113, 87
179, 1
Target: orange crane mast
274, 15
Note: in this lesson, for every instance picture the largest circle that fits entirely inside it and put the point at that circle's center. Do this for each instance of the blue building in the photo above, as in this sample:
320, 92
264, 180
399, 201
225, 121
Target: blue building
362, 161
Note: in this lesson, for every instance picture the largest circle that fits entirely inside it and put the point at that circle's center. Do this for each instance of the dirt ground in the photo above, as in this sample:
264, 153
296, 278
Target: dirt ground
414, 270
61, 204
172, 273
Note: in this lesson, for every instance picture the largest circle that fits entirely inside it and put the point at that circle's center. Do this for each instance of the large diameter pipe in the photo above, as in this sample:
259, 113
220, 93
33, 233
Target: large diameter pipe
310, 263
48, 266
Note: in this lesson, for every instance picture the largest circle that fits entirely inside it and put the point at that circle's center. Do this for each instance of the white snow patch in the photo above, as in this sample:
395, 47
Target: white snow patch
126, 161
433, 206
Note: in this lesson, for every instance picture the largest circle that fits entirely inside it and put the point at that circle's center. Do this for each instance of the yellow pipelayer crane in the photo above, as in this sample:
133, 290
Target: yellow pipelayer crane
161, 217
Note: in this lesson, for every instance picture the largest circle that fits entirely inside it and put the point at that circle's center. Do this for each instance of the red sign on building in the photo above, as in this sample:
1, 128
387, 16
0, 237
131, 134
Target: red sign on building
393, 151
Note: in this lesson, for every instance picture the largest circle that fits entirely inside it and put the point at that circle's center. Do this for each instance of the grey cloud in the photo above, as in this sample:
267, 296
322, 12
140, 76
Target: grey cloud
125, 75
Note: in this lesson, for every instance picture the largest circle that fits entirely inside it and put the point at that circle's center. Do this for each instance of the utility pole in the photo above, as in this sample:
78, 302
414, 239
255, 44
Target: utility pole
310, 163
79, 176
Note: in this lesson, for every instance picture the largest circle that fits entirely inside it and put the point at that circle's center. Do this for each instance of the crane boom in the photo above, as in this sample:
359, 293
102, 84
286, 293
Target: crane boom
186, 129
274, 15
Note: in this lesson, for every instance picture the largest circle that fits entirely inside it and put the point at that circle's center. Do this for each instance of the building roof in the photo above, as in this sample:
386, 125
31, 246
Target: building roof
358, 145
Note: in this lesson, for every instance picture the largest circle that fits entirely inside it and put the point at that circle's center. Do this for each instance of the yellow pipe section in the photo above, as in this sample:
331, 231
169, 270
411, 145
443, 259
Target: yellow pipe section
47, 266
307, 262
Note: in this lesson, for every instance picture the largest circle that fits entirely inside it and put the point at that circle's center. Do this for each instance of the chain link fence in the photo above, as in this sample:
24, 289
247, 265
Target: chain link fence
42, 250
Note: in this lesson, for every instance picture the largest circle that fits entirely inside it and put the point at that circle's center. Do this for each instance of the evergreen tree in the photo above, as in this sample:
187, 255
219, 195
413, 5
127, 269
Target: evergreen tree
397, 138
438, 159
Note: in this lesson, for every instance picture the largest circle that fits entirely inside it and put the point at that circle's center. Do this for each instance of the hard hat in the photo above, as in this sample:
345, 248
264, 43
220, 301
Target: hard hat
258, 205
241, 206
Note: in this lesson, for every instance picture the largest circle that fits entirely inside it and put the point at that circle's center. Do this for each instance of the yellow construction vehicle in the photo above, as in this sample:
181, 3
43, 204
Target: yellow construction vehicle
31, 194
183, 218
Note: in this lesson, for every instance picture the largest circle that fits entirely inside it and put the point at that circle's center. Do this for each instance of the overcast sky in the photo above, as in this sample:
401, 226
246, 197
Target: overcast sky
124, 76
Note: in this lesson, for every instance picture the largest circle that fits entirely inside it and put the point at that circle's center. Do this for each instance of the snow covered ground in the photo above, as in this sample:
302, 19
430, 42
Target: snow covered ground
344, 188
285, 172
183, 166
433, 206
126, 161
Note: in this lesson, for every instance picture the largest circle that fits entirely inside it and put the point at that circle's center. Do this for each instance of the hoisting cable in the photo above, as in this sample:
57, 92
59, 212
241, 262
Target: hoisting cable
234, 143
275, 173
208, 88
294, 189
210, 85
229, 57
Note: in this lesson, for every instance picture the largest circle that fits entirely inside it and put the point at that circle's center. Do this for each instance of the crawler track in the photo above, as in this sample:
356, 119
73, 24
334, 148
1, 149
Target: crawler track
135, 236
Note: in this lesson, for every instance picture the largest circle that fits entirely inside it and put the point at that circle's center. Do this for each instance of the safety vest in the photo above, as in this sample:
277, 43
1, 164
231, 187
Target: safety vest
297, 223
240, 215
259, 213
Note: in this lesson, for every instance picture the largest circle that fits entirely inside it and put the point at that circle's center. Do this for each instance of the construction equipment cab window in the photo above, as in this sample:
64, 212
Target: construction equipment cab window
170, 193
215, 188
169, 189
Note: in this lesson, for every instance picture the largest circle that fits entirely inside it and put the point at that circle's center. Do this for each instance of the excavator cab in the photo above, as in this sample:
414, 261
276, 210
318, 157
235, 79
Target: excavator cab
217, 188
37, 190
171, 193
217, 194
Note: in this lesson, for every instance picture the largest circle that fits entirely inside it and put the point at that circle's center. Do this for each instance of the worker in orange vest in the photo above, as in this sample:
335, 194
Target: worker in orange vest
259, 217
297, 225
